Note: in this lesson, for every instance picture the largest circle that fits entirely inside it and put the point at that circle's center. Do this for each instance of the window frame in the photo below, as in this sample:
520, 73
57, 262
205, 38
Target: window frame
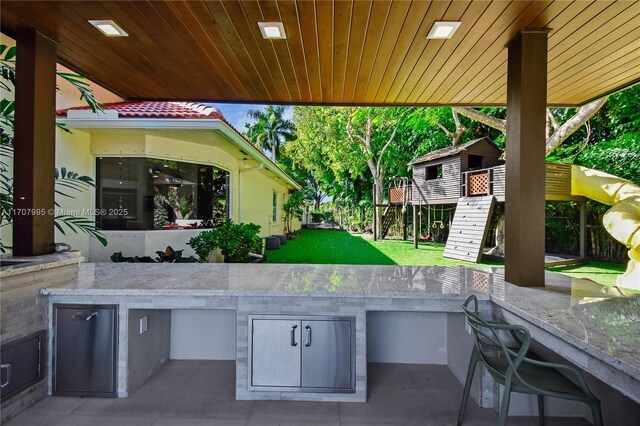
274, 205
98, 202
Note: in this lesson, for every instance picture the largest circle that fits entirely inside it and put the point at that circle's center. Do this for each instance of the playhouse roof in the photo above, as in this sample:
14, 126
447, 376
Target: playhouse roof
452, 150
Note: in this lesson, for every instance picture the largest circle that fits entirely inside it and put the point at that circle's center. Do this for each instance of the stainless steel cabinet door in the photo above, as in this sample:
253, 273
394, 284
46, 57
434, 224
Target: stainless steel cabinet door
84, 350
326, 354
275, 355
20, 364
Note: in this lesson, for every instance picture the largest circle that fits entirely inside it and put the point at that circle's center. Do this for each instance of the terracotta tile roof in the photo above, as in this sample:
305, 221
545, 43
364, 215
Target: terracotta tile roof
450, 151
178, 110
152, 109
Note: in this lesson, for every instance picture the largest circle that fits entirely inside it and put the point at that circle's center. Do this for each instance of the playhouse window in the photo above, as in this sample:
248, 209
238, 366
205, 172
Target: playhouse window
433, 172
474, 162
146, 193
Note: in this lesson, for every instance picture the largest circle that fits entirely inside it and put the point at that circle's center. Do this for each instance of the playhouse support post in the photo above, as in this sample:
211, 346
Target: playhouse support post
405, 225
525, 162
35, 149
415, 226
583, 229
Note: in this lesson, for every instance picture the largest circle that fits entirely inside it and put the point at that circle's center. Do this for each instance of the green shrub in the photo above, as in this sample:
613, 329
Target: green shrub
204, 244
317, 216
235, 241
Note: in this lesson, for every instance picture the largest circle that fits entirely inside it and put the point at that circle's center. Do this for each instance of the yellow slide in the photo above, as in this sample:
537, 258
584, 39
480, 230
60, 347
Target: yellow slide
622, 220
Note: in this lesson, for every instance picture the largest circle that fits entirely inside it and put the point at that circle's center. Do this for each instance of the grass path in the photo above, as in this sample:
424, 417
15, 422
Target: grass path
339, 247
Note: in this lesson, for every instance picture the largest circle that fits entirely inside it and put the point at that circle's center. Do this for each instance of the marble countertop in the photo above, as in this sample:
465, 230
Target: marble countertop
603, 321
38, 263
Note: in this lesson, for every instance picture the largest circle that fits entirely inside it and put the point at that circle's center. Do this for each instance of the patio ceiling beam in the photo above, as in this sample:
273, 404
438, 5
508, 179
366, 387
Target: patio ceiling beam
525, 158
34, 153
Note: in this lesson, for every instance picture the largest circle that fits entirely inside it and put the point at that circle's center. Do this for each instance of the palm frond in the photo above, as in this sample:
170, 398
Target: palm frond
7, 67
6, 142
82, 224
71, 180
83, 87
6, 208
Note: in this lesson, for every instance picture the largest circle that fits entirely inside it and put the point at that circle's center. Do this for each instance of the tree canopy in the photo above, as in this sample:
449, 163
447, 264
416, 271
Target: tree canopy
338, 153
271, 129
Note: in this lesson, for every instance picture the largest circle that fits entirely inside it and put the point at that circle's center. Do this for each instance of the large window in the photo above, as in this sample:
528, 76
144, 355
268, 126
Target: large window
145, 193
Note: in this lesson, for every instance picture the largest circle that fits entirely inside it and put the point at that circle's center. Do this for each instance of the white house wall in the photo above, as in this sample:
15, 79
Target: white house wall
72, 152
78, 152
256, 202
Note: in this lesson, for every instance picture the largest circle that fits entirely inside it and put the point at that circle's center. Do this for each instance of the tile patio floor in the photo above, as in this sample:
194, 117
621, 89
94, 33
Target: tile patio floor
185, 393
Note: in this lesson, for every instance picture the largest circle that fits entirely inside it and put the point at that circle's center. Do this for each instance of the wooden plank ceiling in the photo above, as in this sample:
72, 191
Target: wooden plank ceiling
337, 52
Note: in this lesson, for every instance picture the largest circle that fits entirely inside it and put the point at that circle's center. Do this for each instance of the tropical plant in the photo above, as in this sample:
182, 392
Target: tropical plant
292, 208
271, 129
169, 255
235, 241
66, 182
204, 244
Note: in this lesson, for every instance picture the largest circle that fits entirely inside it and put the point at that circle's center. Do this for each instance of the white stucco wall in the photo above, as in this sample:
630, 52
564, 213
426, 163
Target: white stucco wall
72, 152
257, 200
250, 196
141, 243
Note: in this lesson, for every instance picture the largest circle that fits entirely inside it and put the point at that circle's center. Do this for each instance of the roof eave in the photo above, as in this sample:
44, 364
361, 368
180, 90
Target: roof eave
182, 124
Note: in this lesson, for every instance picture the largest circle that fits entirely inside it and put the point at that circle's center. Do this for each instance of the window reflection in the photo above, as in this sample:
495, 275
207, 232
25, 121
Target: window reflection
144, 193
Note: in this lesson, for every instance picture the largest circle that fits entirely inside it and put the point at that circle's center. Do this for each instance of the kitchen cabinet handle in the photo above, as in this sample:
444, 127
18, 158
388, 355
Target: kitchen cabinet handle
308, 328
8, 367
293, 335
81, 316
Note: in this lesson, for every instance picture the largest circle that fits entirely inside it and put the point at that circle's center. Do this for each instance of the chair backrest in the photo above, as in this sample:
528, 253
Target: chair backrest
490, 344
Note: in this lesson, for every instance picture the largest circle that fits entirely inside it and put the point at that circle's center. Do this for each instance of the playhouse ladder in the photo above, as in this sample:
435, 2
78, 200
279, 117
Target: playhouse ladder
388, 217
469, 228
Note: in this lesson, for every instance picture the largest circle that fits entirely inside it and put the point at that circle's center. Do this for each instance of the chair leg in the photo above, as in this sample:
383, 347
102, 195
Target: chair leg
504, 405
596, 412
475, 357
541, 409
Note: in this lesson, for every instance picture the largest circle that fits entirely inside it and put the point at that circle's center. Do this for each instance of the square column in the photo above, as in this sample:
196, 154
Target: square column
34, 152
525, 158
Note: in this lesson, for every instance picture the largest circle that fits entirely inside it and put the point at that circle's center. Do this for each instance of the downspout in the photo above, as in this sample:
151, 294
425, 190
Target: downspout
240, 182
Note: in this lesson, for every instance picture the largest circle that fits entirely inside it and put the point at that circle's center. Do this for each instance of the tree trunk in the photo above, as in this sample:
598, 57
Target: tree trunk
483, 118
559, 135
378, 200
498, 250
573, 124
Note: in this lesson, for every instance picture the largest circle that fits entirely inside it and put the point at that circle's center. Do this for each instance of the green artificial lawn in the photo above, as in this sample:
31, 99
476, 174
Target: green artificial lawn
341, 247
601, 272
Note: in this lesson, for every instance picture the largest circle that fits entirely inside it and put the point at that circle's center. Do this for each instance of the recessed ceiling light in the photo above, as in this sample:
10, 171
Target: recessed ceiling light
272, 30
109, 28
443, 29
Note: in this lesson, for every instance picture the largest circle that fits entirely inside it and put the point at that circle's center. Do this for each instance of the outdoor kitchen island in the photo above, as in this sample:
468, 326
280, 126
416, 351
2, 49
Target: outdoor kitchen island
570, 317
